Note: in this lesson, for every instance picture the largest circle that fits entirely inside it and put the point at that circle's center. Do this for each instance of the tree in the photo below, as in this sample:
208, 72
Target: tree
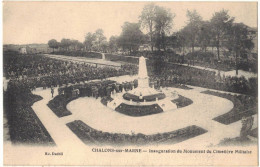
131, 37
113, 41
192, 28
80, 45
147, 20
53, 44
89, 41
100, 38
163, 24
204, 35
65, 43
104, 46
221, 22
239, 42
74, 44
181, 41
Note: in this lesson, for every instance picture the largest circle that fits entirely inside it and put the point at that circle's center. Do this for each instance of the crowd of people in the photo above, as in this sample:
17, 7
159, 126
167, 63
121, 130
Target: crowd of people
32, 71
27, 72
177, 74
94, 89
79, 53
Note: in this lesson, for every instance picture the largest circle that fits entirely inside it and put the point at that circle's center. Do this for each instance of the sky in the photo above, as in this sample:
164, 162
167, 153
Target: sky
38, 22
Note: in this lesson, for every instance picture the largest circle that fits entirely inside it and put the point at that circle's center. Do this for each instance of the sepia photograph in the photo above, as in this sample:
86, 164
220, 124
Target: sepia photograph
130, 83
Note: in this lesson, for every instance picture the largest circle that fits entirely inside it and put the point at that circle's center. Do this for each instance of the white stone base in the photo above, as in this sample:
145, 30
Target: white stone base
165, 103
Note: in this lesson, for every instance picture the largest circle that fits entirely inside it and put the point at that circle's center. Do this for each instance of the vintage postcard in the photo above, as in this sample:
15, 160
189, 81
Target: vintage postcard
130, 83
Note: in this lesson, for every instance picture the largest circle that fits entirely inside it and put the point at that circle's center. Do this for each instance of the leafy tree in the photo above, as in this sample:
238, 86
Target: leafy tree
104, 46
181, 40
65, 43
192, 28
89, 41
239, 42
221, 23
53, 44
204, 35
100, 38
163, 24
113, 44
80, 45
74, 44
147, 20
131, 37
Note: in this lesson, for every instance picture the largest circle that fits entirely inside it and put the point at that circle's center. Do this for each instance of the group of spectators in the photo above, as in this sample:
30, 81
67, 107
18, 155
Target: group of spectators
32, 71
96, 89
177, 74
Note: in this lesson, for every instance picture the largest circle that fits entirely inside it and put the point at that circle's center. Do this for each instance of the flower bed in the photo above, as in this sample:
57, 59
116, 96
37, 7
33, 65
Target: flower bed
182, 101
244, 106
128, 96
91, 136
137, 111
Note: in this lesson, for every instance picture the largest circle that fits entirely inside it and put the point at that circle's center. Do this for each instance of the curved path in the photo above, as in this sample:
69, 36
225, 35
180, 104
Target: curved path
95, 114
201, 112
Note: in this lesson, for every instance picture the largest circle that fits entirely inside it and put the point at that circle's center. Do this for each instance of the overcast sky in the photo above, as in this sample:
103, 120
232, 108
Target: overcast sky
38, 22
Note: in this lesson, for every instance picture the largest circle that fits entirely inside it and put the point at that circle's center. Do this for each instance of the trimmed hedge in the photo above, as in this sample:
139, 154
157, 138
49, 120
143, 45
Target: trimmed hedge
137, 111
91, 136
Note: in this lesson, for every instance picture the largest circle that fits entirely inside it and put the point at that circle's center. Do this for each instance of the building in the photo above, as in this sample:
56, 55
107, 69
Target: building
23, 50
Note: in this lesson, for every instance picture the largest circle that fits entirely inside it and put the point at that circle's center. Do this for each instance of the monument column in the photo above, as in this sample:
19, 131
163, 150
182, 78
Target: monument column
143, 79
